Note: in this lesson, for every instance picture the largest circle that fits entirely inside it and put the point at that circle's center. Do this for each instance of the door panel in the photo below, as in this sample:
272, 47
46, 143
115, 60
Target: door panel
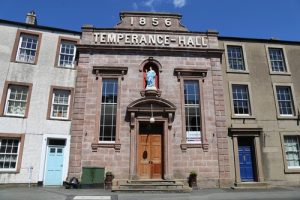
246, 162
149, 156
54, 165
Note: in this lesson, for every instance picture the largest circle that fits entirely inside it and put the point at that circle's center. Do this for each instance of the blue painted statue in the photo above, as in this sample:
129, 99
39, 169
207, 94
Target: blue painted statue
150, 78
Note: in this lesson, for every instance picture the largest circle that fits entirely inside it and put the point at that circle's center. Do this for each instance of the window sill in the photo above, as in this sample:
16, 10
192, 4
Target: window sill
58, 119
237, 71
292, 117
185, 146
281, 73
242, 117
13, 116
292, 170
62, 67
116, 146
20, 62
9, 172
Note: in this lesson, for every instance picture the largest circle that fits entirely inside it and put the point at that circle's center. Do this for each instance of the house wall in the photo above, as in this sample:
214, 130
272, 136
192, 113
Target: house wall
263, 105
41, 76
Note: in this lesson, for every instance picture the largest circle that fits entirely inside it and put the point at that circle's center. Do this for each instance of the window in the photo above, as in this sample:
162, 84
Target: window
277, 60
9, 149
17, 100
241, 101
27, 48
192, 111
108, 110
67, 54
235, 58
60, 104
285, 100
292, 151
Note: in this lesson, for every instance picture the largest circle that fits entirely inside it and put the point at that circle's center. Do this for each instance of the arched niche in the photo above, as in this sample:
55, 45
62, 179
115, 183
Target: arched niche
145, 66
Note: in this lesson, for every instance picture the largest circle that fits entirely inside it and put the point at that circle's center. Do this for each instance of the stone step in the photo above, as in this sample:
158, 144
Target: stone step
183, 190
151, 186
151, 182
251, 185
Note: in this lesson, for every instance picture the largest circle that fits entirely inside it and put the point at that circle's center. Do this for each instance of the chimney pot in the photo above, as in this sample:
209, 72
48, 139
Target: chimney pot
31, 18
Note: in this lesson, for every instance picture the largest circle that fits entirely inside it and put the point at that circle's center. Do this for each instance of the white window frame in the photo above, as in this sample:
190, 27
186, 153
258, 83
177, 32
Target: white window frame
17, 158
285, 151
192, 135
287, 68
117, 107
60, 54
52, 104
22, 35
7, 100
230, 70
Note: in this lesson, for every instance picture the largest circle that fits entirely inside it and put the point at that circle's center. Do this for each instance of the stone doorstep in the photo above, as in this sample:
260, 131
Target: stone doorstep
251, 185
151, 186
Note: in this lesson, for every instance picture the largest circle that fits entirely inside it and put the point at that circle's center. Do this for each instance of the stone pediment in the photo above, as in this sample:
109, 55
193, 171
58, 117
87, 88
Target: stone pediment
150, 21
158, 105
151, 106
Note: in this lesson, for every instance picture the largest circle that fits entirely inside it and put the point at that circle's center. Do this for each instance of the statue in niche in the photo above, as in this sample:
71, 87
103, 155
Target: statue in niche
150, 79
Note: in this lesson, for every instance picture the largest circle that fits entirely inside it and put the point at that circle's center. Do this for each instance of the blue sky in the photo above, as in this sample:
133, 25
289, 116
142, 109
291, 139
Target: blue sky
239, 18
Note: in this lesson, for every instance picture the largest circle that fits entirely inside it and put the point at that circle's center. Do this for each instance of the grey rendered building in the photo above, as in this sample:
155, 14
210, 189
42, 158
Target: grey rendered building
262, 91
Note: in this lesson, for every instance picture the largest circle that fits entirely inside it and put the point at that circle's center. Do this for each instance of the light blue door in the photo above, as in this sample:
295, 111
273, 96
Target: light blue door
54, 165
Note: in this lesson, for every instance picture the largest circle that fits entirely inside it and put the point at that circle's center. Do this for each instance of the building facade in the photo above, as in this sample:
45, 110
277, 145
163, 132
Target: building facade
159, 132
37, 87
147, 100
262, 93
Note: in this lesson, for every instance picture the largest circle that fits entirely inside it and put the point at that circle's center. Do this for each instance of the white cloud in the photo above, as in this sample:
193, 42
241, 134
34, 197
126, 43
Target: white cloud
179, 3
149, 3
135, 6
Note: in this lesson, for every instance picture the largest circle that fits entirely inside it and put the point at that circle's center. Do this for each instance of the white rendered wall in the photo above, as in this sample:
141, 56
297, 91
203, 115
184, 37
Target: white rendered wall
42, 76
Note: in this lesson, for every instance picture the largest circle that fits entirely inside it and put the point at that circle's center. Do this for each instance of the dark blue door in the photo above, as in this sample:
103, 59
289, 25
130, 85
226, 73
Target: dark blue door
246, 161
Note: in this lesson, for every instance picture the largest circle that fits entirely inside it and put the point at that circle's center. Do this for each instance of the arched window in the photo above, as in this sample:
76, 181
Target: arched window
146, 68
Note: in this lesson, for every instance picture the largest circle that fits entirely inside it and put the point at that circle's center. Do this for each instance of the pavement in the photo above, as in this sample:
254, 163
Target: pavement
53, 193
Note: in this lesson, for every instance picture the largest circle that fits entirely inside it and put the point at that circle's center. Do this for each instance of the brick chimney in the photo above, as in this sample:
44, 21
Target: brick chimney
31, 18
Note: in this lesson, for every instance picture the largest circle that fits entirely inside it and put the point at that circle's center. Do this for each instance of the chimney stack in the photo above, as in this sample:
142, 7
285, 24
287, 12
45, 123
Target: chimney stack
31, 18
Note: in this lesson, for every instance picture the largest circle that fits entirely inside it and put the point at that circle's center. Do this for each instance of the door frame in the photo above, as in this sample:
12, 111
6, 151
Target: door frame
254, 133
45, 140
166, 149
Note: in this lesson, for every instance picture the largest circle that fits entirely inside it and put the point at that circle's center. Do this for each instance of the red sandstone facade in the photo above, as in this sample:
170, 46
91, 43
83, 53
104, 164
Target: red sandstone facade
175, 62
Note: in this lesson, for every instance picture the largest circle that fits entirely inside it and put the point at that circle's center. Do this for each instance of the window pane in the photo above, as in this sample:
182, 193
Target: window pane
241, 102
60, 103
192, 111
27, 48
108, 110
285, 100
235, 57
67, 54
16, 100
277, 60
292, 151
8, 153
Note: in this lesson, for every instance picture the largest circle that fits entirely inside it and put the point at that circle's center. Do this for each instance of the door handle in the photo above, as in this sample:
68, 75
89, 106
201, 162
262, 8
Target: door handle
244, 158
150, 162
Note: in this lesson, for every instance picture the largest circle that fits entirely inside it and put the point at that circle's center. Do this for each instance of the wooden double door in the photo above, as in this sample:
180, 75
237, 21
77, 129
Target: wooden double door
149, 156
